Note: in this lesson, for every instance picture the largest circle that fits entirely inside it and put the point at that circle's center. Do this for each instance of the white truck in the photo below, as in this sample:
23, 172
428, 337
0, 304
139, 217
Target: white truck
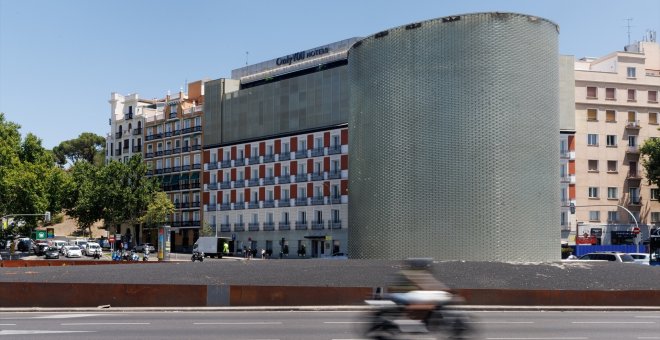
211, 246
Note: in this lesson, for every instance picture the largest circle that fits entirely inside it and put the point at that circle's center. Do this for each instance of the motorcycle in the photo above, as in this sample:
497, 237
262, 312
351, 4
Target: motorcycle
145, 257
134, 256
401, 315
198, 256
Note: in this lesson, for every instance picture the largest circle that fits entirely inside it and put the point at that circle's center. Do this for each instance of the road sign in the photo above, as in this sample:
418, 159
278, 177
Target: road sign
41, 235
636, 230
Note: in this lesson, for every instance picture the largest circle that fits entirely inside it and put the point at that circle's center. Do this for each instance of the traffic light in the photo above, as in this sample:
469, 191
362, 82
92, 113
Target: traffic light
572, 208
47, 217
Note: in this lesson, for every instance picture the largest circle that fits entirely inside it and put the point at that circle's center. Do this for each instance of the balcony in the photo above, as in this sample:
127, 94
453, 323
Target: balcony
177, 132
184, 205
117, 152
253, 205
176, 168
168, 152
150, 172
269, 180
269, 226
284, 156
168, 134
167, 170
284, 226
317, 176
284, 203
635, 201
196, 204
196, 147
633, 150
186, 130
211, 207
159, 153
137, 132
334, 174
149, 137
254, 160
269, 158
118, 134
301, 201
185, 167
172, 115
253, 182
317, 200
239, 184
176, 151
284, 179
212, 166
159, 171
317, 225
186, 148
301, 178
128, 116
634, 175
225, 227
225, 206
269, 204
301, 154
239, 206
197, 128
225, 185
335, 200
253, 226
317, 152
334, 149
334, 224
301, 226
212, 186
197, 166
225, 164
634, 125
239, 227
239, 162
194, 185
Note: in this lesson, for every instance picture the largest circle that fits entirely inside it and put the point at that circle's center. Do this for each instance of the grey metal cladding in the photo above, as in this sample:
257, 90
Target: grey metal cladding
302, 103
454, 140
212, 111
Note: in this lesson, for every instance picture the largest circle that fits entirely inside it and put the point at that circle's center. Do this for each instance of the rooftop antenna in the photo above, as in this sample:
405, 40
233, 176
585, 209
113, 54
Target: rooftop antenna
246, 57
628, 26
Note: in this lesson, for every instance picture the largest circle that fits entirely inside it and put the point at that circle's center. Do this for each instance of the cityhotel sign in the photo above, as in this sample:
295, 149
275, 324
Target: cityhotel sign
300, 56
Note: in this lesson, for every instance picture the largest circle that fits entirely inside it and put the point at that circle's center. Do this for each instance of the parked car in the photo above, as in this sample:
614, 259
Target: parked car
24, 244
641, 258
607, 256
92, 248
58, 244
40, 248
140, 248
65, 249
74, 251
52, 253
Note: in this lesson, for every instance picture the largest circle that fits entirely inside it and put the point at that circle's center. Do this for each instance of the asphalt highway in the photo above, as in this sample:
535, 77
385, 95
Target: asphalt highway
316, 325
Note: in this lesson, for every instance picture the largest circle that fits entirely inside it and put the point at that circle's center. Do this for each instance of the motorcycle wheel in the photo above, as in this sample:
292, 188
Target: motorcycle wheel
193, 258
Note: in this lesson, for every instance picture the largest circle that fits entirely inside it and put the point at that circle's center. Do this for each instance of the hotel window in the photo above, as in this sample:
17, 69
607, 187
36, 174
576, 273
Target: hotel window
655, 217
610, 116
591, 92
631, 72
655, 194
594, 215
612, 193
610, 93
653, 96
592, 139
612, 216
593, 165
593, 192
632, 95
611, 166
592, 115
611, 140
653, 118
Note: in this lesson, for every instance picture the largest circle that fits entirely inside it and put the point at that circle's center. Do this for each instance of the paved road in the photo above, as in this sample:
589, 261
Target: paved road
315, 325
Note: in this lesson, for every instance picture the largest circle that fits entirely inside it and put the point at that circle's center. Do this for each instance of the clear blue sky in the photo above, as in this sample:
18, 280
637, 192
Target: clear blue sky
61, 59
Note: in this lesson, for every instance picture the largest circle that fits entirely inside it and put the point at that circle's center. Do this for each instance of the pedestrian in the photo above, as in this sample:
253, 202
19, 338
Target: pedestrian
263, 253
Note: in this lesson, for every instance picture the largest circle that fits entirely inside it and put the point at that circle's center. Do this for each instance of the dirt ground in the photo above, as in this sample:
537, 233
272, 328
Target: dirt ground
68, 227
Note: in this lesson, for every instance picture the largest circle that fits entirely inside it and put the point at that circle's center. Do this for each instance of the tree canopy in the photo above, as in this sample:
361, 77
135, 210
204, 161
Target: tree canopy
651, 162
85, 147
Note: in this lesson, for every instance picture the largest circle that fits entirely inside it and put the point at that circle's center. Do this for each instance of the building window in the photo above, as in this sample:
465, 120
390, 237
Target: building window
655, 194
655, 217
611, 166
612, 193
612, 216
592, 115
594, 215
632, 95
591, 92
593, 192
653, 96
632, 141
631, 72
593, 165
610, 93
592, 139
611, 140
653, 118
564, 218
610, 116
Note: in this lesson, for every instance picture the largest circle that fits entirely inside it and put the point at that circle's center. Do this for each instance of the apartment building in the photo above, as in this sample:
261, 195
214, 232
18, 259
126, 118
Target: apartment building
127, 118
616, 111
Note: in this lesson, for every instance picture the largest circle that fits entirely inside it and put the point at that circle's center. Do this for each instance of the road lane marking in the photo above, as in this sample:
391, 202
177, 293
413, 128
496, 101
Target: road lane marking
569, 338
648, 337
237, 323
346, 322
648, 316
501, 322
25, 332
64, 316
104, 323
7, 324
612, 322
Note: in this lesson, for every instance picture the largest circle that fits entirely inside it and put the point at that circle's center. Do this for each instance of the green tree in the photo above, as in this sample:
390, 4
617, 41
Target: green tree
651, 162
158, 210
206, 230
84, 198
86, 147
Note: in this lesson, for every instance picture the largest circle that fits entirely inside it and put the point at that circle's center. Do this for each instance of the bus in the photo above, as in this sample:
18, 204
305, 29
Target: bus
654, 248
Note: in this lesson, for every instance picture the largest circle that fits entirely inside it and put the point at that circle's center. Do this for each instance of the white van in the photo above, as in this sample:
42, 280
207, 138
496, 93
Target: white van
92, 248
58, 244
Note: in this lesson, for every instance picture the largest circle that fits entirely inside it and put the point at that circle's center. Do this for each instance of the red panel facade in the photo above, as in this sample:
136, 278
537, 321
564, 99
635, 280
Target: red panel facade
294, 191
278, 169
310, 166
294, 168
344, 137
326, 164
294, 144
278, 146
326, 139
262, 148
326, 188
262, 171
344, 187
310, 141
344, 162
310, 189
262, 193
